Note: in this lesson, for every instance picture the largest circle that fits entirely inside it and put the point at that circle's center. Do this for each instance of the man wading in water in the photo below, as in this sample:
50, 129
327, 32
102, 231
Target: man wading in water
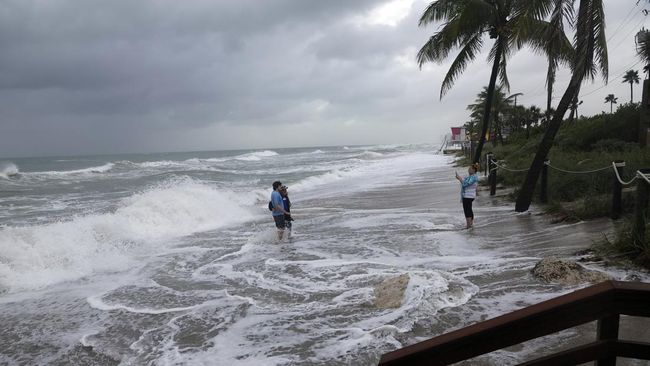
278, 209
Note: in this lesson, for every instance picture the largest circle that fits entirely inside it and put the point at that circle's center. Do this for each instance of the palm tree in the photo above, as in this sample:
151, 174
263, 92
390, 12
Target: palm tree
556, 49
575, 103
511, 23
611, 99
532, 117
643, 48
590, 57
500, 105
632, 77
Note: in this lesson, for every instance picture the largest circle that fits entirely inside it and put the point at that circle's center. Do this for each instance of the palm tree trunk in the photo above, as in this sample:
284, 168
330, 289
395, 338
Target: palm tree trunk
549, 98
488, 100
528, 187
631, 93
611, 107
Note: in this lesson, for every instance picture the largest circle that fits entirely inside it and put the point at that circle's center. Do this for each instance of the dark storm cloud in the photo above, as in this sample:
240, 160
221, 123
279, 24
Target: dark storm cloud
109, 76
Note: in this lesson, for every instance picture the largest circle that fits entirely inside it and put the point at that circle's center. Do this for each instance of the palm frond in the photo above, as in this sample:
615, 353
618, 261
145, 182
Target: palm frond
503, 66
590, 40
440, 10
467, 54
438, 47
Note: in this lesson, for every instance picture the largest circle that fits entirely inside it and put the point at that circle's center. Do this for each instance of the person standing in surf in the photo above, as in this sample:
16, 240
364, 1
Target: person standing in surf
278, 209
287, 207
468, 192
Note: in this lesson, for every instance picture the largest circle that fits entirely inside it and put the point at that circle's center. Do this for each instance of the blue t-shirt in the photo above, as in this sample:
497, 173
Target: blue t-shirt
276, 199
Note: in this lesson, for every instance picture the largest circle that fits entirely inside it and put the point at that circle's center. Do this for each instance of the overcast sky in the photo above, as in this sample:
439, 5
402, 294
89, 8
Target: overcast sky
100, 76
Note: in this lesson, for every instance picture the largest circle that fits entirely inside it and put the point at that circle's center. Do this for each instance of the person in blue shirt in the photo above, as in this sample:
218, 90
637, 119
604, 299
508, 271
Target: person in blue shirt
278, 209
468, 187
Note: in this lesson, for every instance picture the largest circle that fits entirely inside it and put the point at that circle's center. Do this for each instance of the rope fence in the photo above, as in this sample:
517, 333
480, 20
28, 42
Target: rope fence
578, 172
642, 176
500, 164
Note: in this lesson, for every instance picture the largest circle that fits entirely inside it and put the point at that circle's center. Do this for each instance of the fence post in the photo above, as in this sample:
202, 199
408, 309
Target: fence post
608, 331
641, 210
492, 178
487, 164
617, 193
543, 192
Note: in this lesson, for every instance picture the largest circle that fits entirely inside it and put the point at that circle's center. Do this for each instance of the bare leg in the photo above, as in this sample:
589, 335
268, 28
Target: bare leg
280, 234
469, 222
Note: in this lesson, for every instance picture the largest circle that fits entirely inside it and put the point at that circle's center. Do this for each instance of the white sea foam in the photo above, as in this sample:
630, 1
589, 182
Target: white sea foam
388, 170
91, 170
370, 154
256, 156
41, 255
8, 169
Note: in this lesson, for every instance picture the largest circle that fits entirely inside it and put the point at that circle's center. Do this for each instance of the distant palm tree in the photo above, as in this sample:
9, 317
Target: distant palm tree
590, 57
511, 23
575, 103
632, 77
611, 99
500, 105
533, 116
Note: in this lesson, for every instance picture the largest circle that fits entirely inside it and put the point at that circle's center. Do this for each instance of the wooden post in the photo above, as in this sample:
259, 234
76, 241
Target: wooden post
608, 331
486, 170
493, 176
543, 192
617, 193
641, 210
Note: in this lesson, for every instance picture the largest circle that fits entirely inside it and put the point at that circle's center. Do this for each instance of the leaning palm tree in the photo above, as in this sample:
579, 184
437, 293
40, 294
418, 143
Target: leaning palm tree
590, 57
611, 99
632, 77
511, 23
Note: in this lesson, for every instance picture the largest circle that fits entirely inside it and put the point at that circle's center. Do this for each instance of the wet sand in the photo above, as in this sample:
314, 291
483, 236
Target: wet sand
515, 242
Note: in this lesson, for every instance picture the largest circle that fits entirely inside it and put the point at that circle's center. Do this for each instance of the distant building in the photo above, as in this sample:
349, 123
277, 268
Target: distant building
458, 140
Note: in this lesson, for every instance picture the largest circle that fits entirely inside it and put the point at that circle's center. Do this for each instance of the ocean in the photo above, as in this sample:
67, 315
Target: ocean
171, 258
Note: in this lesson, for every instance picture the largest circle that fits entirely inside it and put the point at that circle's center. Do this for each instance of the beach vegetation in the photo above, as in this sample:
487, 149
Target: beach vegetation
591, 58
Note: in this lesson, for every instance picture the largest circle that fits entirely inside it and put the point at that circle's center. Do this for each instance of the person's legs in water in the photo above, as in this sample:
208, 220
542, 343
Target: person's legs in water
280, 224
469, 214
288, 225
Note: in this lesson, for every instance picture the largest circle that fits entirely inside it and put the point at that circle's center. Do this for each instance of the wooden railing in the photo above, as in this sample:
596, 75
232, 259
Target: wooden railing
604, 302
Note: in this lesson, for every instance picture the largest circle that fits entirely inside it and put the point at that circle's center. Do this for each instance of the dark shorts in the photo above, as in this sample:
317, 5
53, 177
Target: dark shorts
467, 207
279, 221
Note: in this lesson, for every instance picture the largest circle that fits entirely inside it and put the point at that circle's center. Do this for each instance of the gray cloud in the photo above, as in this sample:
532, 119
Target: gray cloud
116, 76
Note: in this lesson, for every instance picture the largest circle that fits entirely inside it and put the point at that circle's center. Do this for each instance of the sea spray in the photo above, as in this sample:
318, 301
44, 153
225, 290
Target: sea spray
8, 169
41, 255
